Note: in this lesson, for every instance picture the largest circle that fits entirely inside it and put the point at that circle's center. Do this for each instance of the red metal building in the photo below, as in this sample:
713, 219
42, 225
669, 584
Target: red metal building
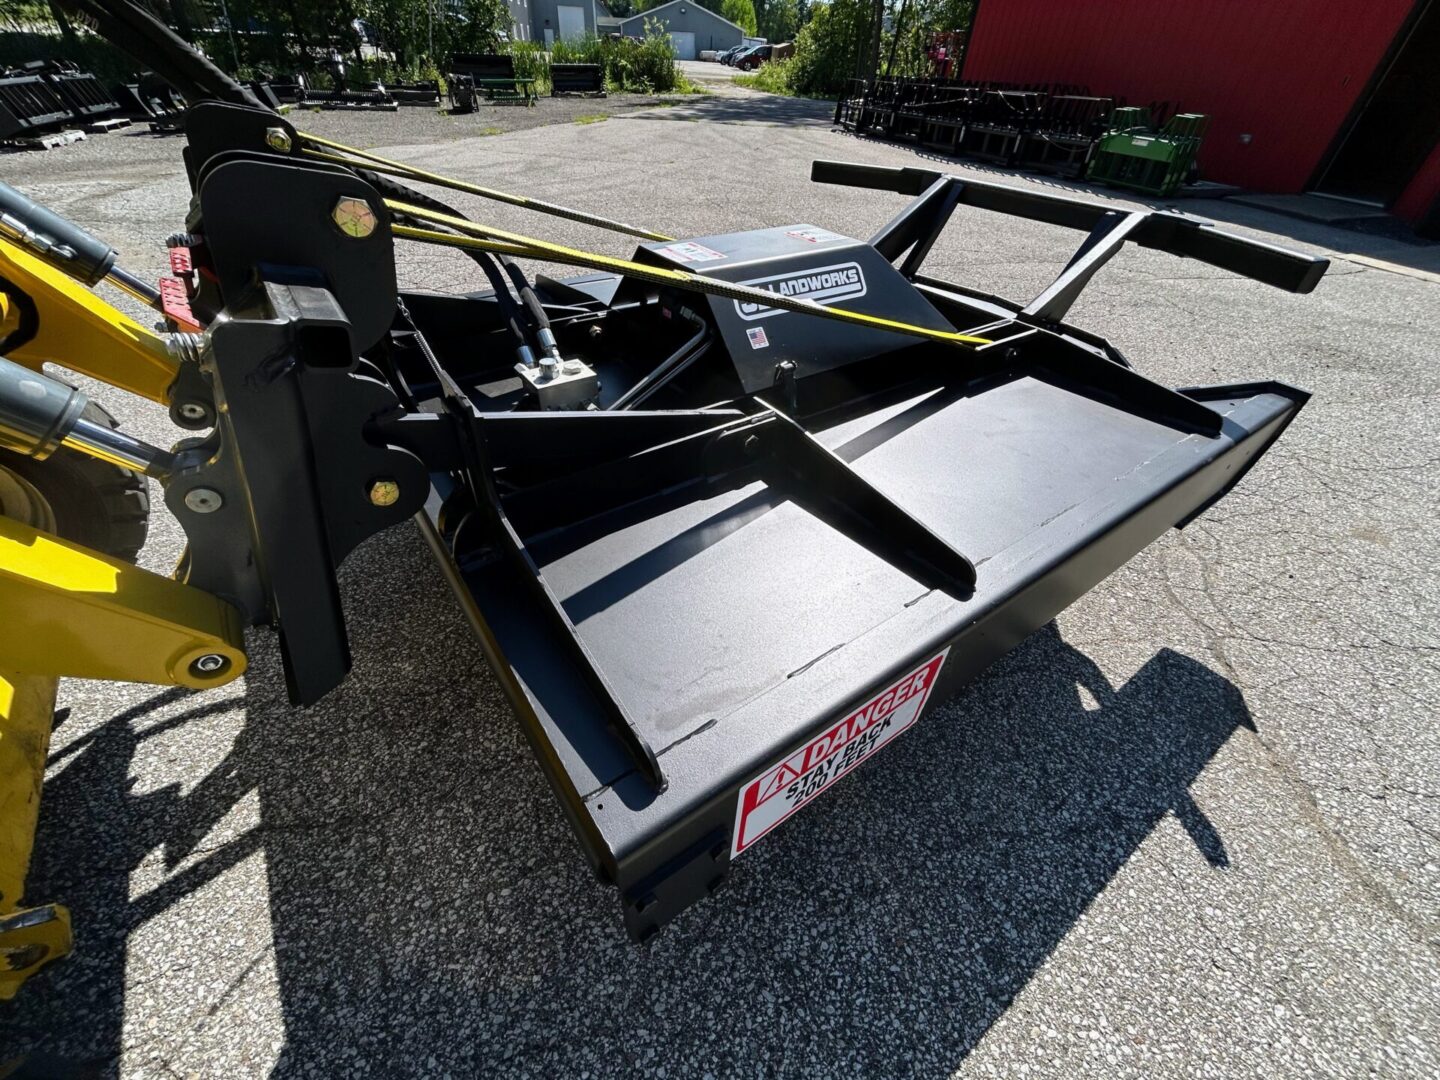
1304, 95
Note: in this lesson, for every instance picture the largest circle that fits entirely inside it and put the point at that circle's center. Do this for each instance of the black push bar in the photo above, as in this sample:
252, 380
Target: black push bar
1162, 230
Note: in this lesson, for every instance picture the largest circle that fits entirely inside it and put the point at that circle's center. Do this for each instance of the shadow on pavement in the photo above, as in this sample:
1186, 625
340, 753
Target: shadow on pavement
749, 109
431, 911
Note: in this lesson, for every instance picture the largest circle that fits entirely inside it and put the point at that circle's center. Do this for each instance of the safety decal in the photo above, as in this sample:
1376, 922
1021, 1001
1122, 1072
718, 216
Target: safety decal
793, 783
814, 234
691, 252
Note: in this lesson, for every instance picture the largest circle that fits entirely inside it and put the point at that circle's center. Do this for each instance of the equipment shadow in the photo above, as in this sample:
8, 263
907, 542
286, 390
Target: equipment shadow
431, 911
750, 109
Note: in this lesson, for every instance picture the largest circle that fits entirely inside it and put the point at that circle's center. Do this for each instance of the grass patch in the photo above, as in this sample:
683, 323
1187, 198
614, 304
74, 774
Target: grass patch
776, 77
493, 131
592, 118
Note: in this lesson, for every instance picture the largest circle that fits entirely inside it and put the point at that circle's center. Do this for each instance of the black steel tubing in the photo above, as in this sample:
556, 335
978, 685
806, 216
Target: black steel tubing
1164, 231
672, 365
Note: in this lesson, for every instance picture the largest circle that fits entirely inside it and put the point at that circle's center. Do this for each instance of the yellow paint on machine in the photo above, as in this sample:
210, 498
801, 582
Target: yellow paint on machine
29, 937
77, 329
70, 611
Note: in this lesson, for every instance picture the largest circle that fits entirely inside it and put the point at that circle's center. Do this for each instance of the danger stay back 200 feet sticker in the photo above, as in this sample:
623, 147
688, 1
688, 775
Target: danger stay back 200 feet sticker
793, 783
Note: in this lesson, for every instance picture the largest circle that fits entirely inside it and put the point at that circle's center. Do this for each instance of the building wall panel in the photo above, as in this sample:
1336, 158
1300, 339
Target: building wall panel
1285, 74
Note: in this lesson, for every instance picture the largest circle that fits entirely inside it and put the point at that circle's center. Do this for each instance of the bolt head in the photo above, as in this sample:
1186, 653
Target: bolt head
209, 664
355, 217
203, 500
278, 139
384, 492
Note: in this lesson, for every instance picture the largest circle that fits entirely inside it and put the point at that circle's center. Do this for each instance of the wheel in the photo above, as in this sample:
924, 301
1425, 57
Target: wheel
102, 506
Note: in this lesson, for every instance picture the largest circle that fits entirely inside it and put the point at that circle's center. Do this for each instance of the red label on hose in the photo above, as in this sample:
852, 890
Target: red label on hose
793, 783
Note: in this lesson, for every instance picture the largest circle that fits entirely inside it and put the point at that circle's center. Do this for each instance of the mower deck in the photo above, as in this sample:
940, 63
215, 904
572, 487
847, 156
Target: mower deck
736, 617
710, 601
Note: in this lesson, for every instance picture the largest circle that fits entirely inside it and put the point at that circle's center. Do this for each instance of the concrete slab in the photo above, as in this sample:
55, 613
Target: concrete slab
1311, 207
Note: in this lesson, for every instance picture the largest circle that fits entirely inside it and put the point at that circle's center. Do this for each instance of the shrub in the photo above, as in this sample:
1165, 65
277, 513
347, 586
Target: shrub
531, 63
827, 49
640, 65
773, 78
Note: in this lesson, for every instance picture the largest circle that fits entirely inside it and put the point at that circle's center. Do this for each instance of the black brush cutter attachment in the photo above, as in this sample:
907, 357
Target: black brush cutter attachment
719, 546
719, 553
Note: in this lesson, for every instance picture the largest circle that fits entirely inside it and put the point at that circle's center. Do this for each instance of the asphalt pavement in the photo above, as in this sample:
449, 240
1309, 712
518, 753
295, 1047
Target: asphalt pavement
1191, 829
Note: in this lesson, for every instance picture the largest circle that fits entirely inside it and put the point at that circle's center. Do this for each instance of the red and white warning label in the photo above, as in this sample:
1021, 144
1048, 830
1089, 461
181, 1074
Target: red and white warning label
788, 785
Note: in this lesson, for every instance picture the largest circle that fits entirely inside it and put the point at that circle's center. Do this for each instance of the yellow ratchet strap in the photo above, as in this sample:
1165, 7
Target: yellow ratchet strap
486, 238
397, 168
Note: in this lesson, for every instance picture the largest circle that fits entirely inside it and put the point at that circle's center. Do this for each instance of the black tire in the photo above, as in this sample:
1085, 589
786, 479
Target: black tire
102, 506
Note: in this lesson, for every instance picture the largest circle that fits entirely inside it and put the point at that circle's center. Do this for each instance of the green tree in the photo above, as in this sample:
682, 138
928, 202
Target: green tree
829, 48
914, 26
778, 20
742, 14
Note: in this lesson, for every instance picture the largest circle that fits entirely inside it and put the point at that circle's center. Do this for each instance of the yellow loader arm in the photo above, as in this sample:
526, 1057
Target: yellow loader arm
68, 610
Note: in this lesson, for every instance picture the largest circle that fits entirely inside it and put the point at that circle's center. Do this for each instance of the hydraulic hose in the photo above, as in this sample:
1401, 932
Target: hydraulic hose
484, 259
410, 172
539, 319
513, 318
487, 238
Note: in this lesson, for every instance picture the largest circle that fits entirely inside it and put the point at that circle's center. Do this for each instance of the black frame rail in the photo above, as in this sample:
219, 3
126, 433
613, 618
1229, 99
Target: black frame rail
1162, 230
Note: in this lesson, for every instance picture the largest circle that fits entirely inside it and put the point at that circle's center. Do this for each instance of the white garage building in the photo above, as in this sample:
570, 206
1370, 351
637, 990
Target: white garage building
692, 27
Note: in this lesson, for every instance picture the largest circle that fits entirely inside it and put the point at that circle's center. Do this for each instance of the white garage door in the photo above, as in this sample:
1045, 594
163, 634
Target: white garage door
684, 44
572, 22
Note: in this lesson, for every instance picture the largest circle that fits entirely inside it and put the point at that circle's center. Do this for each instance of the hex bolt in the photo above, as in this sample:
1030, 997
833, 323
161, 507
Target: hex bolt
355, 217
278, 139
384, 492
204, 500
209, 664
192, 411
